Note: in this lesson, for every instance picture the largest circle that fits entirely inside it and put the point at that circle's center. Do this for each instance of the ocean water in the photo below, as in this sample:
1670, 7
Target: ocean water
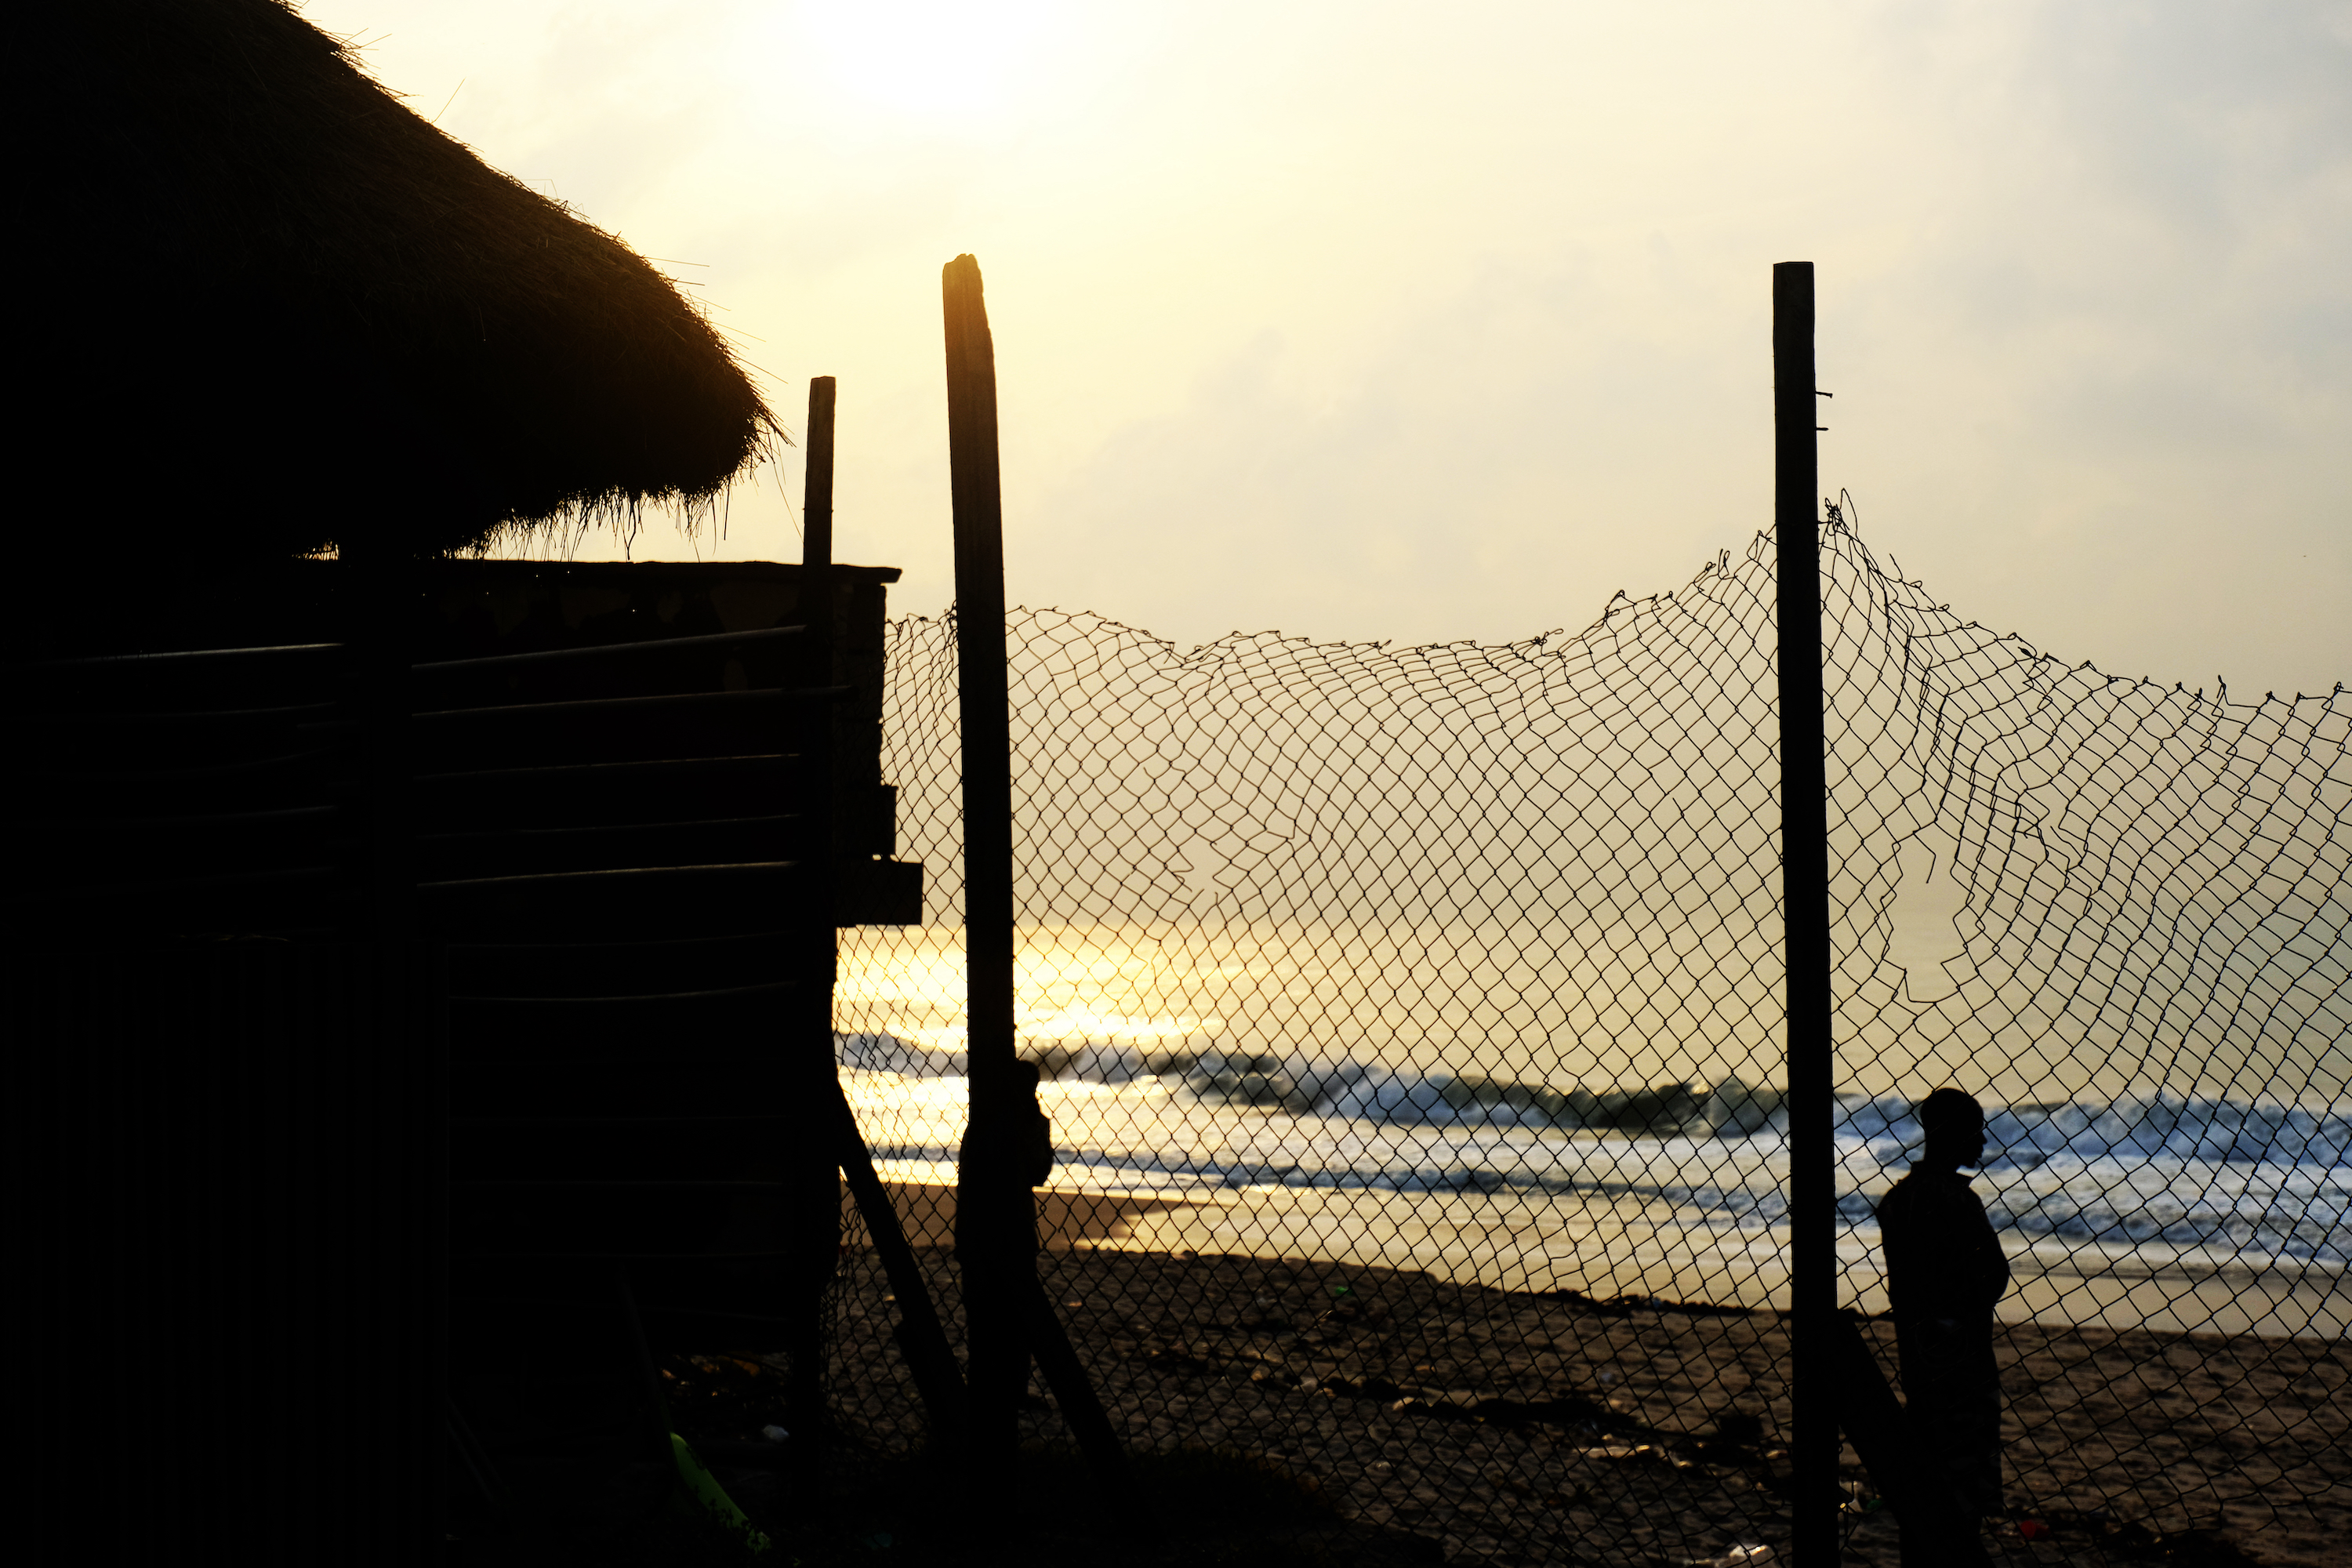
1415, 1061
2257, 1184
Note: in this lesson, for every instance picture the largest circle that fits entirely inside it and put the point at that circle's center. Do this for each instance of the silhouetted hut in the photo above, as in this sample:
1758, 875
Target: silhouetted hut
287, 313
265, 1148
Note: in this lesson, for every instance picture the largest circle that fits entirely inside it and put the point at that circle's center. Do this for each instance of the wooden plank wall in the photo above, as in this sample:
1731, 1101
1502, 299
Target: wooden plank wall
232, 1166
225, 1196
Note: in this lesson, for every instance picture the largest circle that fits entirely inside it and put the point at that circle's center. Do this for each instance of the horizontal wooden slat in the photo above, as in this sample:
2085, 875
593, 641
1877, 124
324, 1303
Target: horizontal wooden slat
653, 647
710, 1025
603, 794
621, 968
726, 1073
729, 1317
153, 776
640, 902
587, 1293
440, 857
681, 1085
608, 1124
613, 730
311, 776
293, 898
865, 892
205, 679
191, 889
570, 1185
170, 727
665, 1007
268, 823
65, 851
720, 662
604, 1148
496, 1234
532, 1254
139, 664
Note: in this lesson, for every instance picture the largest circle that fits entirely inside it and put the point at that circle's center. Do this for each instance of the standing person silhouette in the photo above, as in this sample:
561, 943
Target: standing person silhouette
1944, 1273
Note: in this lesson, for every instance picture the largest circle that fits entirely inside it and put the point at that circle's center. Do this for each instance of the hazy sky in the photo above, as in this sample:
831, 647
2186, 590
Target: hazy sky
1409, 321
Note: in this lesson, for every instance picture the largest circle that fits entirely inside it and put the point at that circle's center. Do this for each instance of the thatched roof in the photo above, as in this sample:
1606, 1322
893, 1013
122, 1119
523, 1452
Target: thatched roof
288, 311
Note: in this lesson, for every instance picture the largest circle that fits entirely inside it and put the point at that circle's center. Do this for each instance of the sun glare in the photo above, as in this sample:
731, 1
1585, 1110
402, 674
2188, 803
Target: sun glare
929, 57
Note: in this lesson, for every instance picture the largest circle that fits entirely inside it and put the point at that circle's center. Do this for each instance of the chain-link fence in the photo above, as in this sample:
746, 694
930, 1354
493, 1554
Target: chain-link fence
1412, 1028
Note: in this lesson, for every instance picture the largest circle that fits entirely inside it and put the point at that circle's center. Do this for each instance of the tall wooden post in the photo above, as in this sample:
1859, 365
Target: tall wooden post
812, 1190
816, 508
996, 1223
1805, 906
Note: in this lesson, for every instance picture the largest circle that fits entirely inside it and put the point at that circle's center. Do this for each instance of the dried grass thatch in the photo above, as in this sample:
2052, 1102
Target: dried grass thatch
293, 313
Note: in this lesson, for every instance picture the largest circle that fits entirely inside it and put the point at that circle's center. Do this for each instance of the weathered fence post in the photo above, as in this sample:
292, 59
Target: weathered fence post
1805, 905
813, 1193
996, 1225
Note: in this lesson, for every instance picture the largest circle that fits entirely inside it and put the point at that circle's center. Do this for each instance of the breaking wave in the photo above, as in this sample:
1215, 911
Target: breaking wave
2261, 1183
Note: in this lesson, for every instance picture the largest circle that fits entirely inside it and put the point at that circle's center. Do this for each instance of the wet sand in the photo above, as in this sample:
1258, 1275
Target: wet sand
1609, 1246
1520, 1427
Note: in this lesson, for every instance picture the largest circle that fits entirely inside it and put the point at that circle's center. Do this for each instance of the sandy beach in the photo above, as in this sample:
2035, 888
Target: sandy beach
1606, 1247
1519, 1422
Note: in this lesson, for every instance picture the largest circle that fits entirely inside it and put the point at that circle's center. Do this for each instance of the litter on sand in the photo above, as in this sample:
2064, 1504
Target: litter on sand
1738, 1557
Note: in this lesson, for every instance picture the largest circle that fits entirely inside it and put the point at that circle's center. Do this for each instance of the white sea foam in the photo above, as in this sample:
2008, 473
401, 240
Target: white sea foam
2260, 1183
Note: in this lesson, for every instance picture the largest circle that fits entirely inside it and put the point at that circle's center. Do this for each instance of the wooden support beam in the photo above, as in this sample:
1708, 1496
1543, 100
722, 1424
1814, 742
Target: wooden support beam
1937, 1531
1082, 1410
922, 1338
996, 1225
1007, 1149
1805, 909
814, 1205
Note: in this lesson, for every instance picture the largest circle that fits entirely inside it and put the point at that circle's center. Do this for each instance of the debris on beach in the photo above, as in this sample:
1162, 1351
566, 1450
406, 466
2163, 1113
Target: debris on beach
1738, 1557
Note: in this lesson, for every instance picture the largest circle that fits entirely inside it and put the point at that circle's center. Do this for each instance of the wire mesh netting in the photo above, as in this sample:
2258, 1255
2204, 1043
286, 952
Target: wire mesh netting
1410, 1026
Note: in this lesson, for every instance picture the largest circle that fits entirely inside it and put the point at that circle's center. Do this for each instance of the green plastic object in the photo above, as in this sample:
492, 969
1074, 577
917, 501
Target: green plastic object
700, 1489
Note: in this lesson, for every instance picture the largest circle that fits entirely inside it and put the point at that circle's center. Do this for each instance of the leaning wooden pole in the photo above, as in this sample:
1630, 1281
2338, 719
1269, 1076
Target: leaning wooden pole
996, 1224
1805, 906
